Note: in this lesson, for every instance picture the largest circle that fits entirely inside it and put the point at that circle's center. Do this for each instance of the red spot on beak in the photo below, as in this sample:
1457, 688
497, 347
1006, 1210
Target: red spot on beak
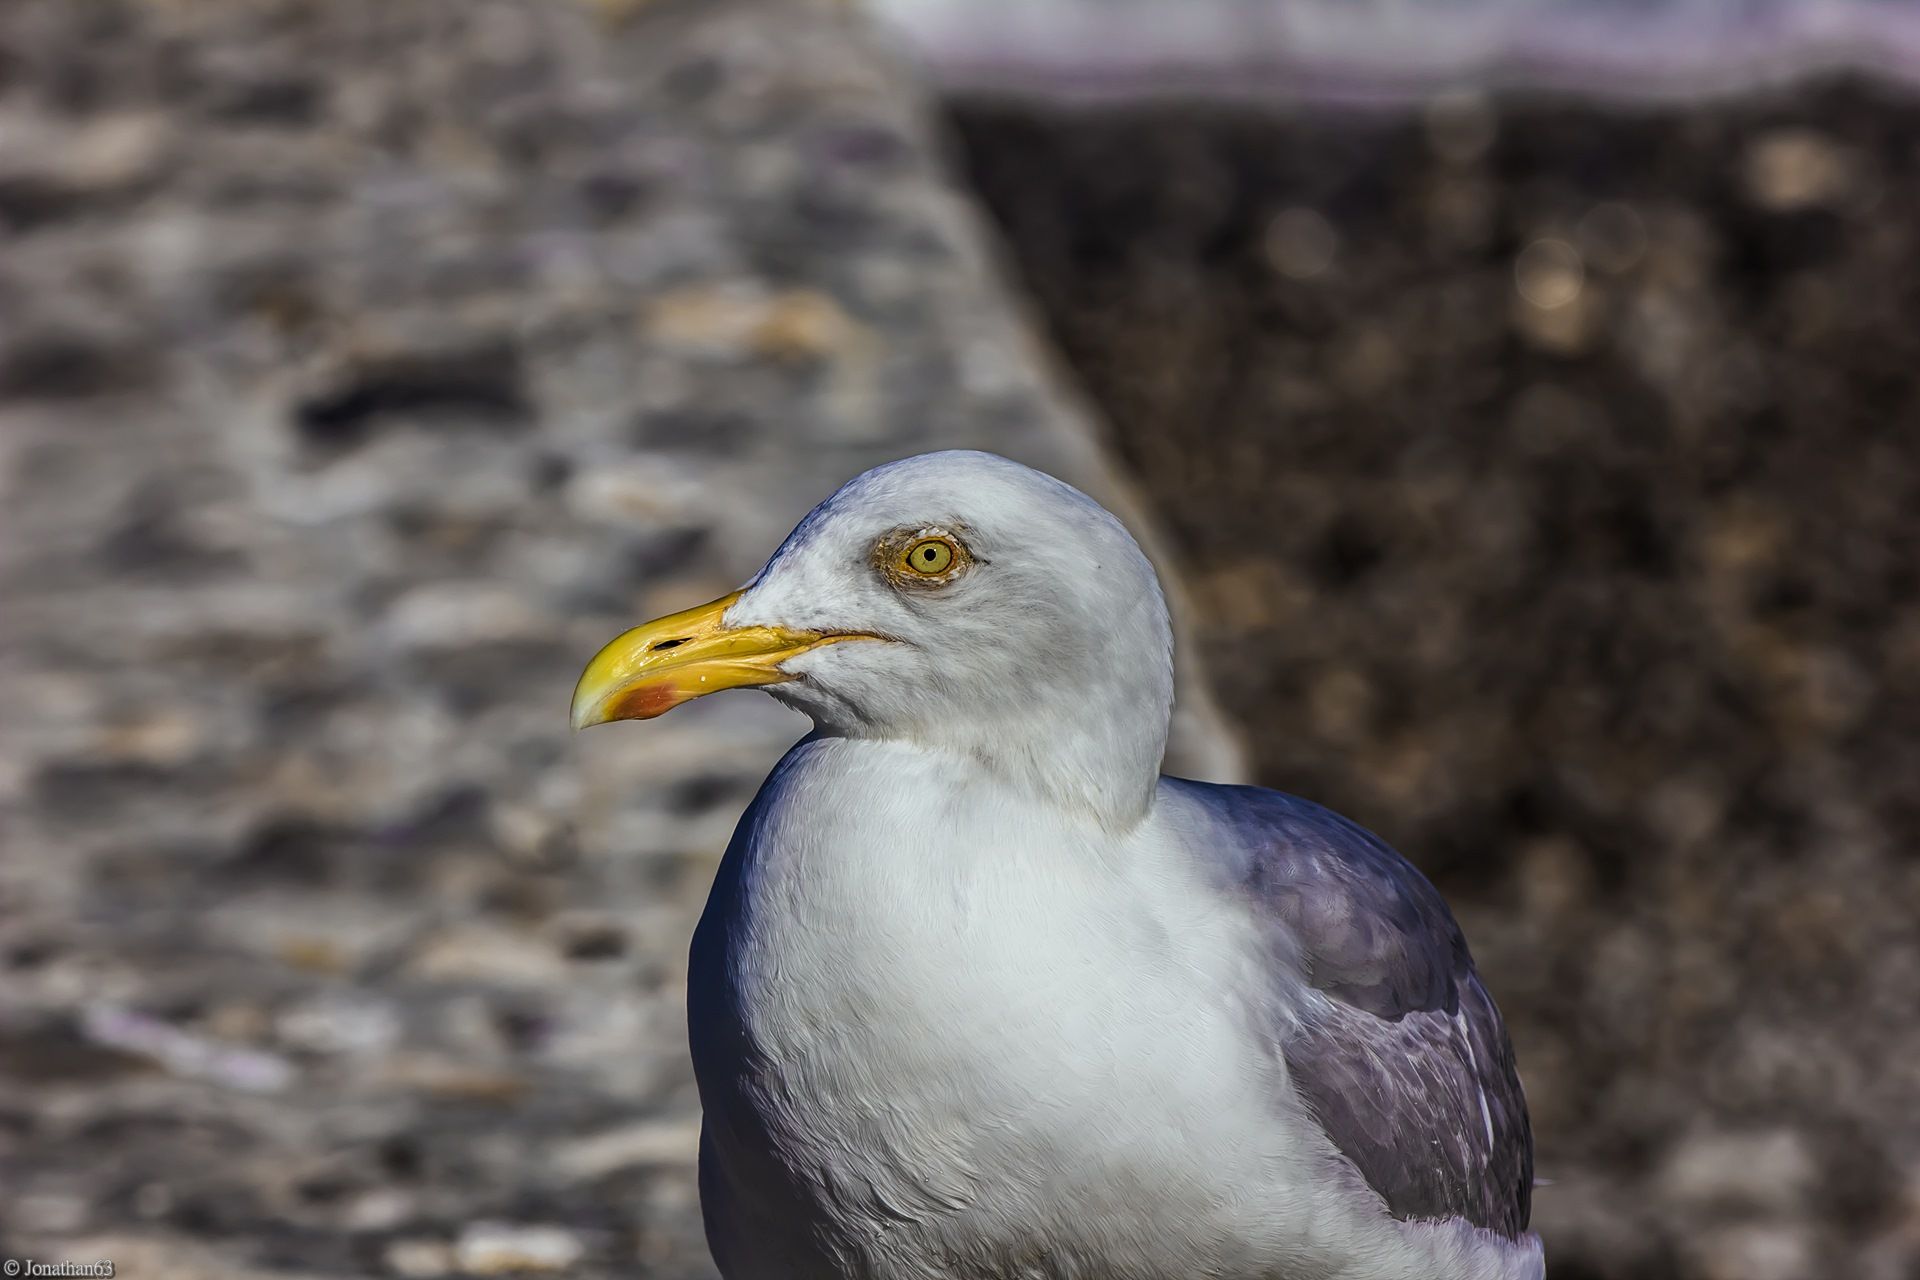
646, 701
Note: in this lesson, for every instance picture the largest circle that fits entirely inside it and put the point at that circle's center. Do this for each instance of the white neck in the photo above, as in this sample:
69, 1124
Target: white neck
1071, 757
1093, 752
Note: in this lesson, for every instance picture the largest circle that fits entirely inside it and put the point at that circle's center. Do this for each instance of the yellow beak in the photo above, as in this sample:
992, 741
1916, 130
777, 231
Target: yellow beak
652, 669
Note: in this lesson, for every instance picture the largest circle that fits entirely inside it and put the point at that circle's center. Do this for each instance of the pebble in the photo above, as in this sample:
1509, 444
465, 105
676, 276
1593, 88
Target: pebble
419, 1259
495, 1248
652, 1142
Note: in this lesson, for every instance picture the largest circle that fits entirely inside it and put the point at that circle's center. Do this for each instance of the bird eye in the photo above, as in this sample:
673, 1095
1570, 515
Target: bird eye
929, 557
921, 559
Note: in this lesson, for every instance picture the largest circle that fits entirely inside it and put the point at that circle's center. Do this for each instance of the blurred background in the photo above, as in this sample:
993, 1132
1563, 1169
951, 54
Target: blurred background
1521, 398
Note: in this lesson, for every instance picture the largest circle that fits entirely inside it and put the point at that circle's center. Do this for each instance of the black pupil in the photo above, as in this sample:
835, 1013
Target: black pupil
926, 553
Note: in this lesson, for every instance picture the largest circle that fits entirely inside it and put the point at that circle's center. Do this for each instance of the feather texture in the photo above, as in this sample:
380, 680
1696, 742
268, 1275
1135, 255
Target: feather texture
1401, 1054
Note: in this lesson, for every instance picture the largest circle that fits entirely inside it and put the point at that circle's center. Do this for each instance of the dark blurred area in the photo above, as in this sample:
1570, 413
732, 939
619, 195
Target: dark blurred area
1547, 478
1539, 476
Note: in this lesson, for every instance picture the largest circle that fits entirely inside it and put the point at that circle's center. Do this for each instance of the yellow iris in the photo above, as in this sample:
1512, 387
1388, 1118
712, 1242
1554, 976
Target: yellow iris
930, 557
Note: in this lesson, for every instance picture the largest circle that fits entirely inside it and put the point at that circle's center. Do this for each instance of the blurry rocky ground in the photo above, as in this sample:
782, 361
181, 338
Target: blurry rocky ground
1545, 476
1550, 478
363, 367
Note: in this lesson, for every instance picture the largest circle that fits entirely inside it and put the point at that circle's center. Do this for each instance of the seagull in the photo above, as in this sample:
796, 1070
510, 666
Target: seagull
978, 994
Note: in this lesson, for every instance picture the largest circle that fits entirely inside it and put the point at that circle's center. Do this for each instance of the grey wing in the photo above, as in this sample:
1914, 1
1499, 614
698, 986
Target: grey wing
1426, 1106
1400, 1052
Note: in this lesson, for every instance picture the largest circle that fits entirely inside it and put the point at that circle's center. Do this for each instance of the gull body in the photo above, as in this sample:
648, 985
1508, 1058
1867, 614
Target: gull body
979, 995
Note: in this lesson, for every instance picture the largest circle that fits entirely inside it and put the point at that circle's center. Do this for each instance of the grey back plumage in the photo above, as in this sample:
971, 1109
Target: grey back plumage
1405, 1062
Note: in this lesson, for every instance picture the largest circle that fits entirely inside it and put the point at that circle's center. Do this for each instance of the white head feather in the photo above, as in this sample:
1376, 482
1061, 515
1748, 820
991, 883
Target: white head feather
1050, 659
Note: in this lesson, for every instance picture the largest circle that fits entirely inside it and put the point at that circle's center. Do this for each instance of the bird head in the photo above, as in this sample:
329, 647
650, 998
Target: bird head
957, 601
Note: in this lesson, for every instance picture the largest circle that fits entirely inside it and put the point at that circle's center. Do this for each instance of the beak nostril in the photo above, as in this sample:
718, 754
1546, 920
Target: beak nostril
670, 644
